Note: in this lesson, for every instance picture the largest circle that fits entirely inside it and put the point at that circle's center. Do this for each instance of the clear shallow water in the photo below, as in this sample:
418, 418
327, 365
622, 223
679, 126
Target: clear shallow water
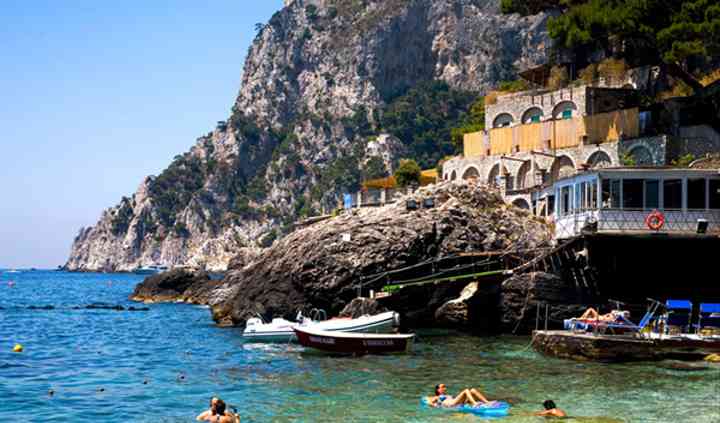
163, 365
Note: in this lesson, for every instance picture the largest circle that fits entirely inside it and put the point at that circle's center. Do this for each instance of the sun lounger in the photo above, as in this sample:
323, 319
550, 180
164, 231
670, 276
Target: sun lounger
677, 316
709, 321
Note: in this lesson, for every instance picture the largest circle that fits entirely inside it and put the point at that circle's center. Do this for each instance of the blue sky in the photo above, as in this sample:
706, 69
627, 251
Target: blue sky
96, 95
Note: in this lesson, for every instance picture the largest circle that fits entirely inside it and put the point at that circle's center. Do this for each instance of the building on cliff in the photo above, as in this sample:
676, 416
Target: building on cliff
535, 138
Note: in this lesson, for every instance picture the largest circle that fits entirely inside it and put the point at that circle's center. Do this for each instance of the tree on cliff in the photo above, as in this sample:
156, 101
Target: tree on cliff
678, 34
407, 173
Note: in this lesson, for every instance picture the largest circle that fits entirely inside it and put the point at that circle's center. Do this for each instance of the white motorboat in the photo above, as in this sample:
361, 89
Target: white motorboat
150, 270
281, 330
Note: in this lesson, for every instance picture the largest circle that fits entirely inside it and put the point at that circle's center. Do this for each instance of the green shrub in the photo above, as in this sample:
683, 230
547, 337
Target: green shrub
407, 173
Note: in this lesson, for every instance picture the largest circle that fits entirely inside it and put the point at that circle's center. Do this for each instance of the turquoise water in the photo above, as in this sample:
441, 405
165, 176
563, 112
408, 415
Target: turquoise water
163, 365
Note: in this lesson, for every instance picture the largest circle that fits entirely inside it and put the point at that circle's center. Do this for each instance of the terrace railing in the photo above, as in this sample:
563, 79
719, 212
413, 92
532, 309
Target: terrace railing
634, 221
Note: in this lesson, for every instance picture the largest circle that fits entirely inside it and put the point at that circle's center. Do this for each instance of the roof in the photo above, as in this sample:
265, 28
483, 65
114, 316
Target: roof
652, 170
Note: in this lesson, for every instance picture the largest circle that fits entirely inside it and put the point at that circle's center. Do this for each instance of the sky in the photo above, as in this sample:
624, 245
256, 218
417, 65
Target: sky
96, 95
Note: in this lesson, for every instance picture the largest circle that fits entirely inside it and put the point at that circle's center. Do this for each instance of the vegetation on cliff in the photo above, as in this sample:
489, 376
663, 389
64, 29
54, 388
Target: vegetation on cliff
684, 35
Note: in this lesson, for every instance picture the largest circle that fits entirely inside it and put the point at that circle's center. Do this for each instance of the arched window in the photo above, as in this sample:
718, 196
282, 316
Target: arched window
503, 119
562, 167
532, 115
453, 176
471, 173
525, 178
494, 177
521, 203
599, 160
565, 110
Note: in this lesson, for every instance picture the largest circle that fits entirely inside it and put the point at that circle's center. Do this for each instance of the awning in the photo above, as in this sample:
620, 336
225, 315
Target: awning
709, 308
678, 304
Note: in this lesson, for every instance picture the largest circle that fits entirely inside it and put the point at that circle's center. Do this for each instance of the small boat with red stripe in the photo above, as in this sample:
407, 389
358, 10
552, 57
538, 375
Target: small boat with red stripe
353, 343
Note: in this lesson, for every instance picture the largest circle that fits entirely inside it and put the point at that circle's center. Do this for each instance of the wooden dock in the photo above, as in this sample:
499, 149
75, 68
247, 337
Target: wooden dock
585, 346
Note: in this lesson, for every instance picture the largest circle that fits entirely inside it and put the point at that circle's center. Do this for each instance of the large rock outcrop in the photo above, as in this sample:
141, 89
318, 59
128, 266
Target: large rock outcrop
524, 294
175, 285
316, 82
321, 265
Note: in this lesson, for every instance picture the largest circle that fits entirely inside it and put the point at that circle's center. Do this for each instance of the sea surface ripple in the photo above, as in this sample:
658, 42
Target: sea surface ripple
163, 365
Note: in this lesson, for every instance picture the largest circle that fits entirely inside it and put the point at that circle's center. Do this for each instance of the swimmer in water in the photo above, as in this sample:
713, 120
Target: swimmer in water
216, 413
551, 410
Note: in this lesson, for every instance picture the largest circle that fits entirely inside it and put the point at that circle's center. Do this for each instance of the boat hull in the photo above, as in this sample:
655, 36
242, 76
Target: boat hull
381, 323
358, 345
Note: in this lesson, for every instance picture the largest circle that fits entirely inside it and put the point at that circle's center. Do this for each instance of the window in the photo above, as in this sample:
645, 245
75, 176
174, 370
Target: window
565, 199
652, 194
605, 188
614, 193
633, 194
611, 193
579, 196
593, 195
672, 192
696, 194
535, 119
715, 194
551, 204
567, 114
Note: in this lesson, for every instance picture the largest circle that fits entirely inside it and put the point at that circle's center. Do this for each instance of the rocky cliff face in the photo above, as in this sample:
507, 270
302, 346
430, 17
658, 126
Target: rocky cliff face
317, 80
321, 265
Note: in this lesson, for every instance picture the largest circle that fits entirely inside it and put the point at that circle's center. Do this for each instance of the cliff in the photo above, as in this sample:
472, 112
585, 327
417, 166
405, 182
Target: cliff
321, 265
323, 81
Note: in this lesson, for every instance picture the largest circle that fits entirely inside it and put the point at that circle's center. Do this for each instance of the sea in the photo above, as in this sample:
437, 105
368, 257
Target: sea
164, 364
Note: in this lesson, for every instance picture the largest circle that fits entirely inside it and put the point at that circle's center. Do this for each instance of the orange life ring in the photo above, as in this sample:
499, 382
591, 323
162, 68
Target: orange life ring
655, 220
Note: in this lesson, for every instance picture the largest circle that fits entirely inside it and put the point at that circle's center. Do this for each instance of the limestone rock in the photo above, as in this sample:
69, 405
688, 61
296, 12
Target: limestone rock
308, 73
318, 267
522, 294
360, 307
175, 285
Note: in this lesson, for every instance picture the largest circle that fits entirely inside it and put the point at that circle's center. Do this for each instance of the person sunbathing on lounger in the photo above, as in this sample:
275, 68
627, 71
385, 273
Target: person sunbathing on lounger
468, 396
592, 314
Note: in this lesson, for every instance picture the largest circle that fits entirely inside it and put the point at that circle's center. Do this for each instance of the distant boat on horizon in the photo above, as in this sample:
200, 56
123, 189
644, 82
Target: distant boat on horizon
149, 270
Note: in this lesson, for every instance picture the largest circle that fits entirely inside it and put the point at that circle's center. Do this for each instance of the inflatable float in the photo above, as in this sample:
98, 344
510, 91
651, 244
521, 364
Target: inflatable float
488, 409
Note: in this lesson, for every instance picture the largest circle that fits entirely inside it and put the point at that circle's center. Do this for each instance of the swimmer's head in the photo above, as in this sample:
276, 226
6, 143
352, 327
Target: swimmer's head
549, 404
440, 389
220, 407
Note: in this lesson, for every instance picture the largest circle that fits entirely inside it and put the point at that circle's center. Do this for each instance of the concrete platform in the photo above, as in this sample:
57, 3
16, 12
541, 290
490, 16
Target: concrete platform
617, 348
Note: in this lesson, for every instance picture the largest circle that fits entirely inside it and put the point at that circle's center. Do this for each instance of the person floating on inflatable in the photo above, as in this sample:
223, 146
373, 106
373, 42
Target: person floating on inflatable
551, 410
468, 396
18, 348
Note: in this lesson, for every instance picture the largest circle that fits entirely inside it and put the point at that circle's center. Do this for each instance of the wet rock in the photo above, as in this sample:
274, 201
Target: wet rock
104, 306
361, 306
457, 311
522, 294
175, 285
319, 266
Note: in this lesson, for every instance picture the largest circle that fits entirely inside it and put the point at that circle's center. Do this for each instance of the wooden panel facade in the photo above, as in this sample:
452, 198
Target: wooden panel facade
473, 145
561, 133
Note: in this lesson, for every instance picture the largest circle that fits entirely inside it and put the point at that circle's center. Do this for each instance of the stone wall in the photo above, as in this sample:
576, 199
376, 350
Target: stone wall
517, 104
587, 100
519, 168
645, 151
698, 140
